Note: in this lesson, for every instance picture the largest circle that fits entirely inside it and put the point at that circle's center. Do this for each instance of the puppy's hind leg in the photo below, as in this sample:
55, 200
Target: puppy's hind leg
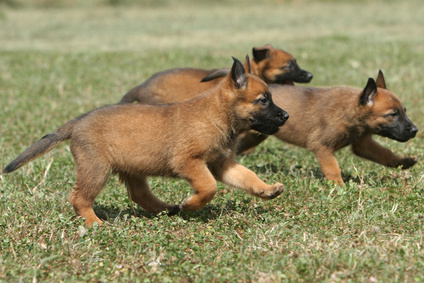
140, 193
89, 182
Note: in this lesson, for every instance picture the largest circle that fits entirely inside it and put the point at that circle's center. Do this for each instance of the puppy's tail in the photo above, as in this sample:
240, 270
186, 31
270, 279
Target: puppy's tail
131, 96
216, 74
43, 145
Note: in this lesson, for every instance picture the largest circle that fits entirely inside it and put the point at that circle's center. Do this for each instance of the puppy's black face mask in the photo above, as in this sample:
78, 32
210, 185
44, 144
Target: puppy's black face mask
270, 118
293, 73
398, 128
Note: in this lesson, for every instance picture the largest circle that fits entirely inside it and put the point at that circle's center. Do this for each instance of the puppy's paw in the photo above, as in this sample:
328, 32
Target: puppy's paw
278, 188
408, 162
173, 210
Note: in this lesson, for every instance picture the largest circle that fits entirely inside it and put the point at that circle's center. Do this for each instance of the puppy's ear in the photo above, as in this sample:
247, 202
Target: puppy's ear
246, 65
238, 74
260, 53
381, 82
369, 93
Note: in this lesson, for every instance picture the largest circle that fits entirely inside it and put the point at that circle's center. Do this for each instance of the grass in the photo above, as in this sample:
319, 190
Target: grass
59, 62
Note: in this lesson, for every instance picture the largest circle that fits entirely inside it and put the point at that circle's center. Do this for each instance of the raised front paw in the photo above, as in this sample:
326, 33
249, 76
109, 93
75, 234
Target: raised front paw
274, 192
408, 162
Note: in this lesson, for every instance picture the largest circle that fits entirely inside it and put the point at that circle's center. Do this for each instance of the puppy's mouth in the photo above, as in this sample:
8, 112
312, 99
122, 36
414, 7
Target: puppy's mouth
284, 82
293, 77
270, 120
403, 137
269, 127
266, 129
306, 77
399, 139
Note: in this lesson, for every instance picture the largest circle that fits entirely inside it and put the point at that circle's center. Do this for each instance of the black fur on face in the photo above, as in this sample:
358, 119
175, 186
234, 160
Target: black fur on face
293, 73
270, 118
400, 129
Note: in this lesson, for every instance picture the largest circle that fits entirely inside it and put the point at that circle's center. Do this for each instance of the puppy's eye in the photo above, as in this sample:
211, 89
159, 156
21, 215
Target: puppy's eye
288, 66
263, 100
394, 113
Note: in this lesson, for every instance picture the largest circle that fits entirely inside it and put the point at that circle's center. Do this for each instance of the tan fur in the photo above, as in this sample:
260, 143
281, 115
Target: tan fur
175, 85
324, 120
194, 140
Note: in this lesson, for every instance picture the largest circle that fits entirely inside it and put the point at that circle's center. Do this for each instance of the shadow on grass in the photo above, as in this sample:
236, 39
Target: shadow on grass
209, 213
212, 212
299, 171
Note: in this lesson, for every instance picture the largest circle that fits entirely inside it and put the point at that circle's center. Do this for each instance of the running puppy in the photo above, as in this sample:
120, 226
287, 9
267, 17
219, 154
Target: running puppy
194, 140
324, 120
270, 64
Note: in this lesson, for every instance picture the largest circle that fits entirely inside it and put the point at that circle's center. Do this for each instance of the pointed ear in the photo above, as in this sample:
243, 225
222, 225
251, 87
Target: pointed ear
246, 65
260, 53
380, 80
369, 93
238, 74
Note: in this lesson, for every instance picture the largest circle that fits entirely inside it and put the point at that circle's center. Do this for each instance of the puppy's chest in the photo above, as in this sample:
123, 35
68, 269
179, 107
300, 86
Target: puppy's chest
347, 136
224, 148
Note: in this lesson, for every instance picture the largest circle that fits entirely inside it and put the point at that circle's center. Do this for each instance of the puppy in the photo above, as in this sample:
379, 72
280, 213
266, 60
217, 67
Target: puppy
270, 64
324, 120
194, 140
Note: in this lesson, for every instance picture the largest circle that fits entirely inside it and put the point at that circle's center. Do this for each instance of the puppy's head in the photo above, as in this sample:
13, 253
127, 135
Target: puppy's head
252, 101
278, 67
386, 114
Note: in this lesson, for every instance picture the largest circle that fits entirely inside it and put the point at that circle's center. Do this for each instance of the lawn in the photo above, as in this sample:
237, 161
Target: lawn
60, 60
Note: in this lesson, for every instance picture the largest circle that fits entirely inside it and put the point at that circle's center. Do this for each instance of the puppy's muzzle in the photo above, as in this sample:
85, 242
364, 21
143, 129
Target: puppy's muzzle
282, 117
308, 77
413, 131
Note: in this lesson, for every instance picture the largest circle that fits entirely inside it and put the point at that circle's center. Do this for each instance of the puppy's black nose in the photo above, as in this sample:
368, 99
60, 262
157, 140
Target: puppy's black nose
310, 76
282, 116
414, 130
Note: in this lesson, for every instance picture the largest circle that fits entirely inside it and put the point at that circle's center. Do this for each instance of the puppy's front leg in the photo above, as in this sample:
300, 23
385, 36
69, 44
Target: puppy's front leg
231, 173
329, 165
201, 179
368, 148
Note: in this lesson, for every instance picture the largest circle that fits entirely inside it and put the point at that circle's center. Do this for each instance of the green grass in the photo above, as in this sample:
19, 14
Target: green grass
57, 62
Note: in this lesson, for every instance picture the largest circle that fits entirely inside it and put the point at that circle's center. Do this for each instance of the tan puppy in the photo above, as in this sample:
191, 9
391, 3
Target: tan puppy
270, 64
194, 140
325, 120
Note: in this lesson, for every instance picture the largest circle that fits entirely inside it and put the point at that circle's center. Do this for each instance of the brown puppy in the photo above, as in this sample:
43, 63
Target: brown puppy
324, 120
270, 64
193, 140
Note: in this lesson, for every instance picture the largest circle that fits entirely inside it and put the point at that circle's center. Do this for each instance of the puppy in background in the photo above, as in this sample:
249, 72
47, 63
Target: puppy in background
272, 65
